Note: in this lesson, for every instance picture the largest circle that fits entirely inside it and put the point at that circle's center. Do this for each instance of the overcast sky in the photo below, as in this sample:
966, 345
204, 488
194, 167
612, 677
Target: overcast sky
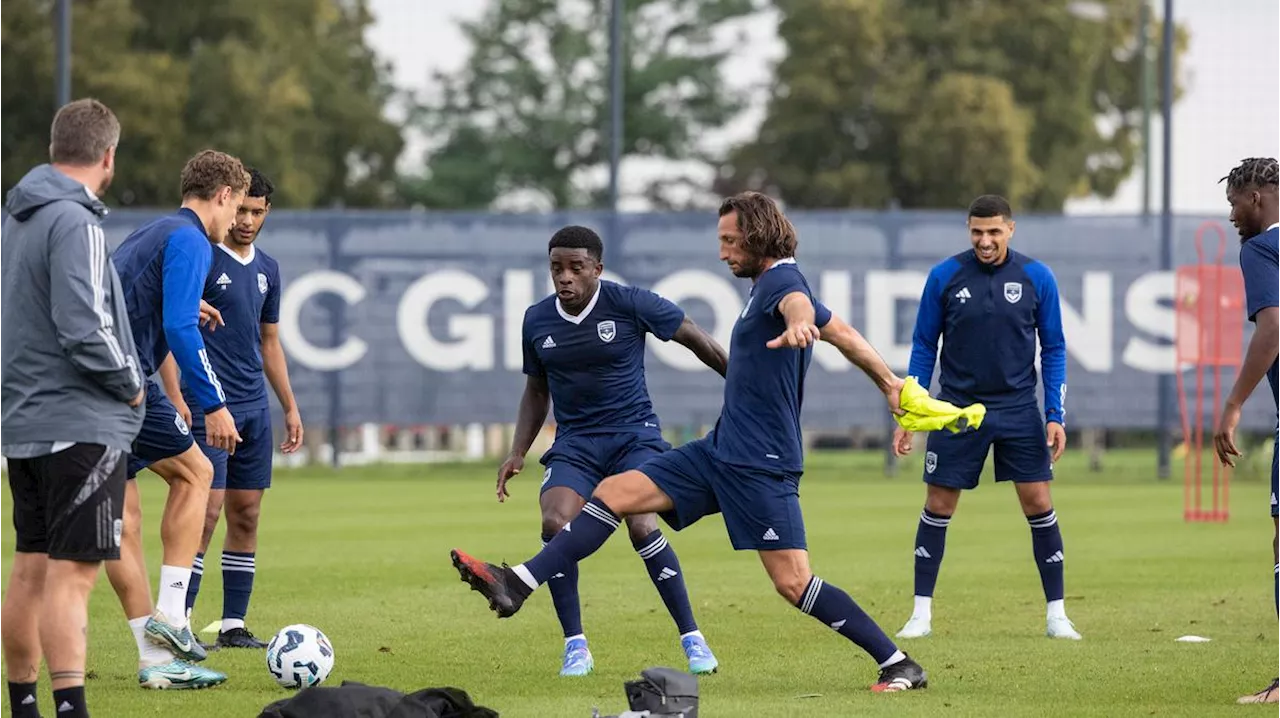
1231, 109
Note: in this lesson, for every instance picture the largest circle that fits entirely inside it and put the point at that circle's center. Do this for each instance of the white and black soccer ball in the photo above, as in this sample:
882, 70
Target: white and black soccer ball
299, 656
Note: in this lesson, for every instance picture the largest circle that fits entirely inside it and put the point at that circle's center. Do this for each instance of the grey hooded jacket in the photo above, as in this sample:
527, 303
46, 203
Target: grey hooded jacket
68, 366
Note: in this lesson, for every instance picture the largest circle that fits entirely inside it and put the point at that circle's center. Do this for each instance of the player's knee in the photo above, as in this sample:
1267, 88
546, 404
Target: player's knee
640, 526
553, 520
790, 586
28, 572
244, 520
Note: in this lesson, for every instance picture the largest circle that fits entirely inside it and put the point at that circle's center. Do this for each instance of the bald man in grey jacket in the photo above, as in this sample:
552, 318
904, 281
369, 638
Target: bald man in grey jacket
72, 403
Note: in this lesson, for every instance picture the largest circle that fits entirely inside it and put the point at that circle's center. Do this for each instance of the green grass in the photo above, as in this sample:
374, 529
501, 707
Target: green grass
363, 554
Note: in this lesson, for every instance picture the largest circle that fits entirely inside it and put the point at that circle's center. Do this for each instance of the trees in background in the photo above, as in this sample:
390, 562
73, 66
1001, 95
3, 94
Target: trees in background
289, 86
931, 102
921, 102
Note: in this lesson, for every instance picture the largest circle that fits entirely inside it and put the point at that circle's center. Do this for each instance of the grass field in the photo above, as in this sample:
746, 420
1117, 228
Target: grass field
363, 554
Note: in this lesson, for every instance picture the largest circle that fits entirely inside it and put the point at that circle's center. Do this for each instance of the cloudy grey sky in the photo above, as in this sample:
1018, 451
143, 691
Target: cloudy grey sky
1231, 109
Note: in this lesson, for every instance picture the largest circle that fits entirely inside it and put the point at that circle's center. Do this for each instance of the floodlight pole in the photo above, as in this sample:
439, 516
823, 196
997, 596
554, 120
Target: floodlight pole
1166, 380
62, 78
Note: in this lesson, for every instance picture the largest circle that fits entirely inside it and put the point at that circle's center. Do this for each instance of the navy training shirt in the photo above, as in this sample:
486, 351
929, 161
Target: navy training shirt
1261, 269
759, 426
989, 318
162, 267
246, 290
594, 362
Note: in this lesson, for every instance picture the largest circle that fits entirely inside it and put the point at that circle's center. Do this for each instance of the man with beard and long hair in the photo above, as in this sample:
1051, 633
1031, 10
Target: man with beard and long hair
748, 468
72, 396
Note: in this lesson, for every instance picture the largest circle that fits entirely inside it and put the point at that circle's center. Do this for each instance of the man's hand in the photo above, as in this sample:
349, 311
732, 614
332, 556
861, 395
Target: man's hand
183, 410
293, 431
797, 336
893, 395
512, 466
210, 318
220, 430
141, 397
901, 442
1057, 440
1224, 435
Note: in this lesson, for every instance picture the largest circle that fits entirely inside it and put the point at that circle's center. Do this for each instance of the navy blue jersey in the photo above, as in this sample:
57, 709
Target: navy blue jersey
246, 290
1258, 263
594, 362
162, 267
989, 318
759, 426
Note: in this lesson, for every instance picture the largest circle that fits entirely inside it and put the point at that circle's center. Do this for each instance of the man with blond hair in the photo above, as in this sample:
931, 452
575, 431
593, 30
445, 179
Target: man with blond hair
162, 266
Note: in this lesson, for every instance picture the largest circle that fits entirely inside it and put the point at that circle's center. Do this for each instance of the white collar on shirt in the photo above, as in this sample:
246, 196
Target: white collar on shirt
246, 261
779, 262
586, 310
1268, 229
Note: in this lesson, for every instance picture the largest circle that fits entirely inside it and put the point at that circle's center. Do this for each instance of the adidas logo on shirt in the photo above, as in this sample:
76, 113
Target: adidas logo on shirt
963, 295
666, 573
1055, 558
549, 343
224, 281
922, 552
770, 534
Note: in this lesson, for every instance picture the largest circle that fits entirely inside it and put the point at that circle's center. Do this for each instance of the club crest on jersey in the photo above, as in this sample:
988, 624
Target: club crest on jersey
930, 462
262, 283
606, 330
1013, 291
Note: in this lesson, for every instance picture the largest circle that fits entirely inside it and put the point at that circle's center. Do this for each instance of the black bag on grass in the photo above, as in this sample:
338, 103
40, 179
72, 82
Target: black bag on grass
357, 700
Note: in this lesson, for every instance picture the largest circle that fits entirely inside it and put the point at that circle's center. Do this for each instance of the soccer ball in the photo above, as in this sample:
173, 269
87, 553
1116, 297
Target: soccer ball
299, 656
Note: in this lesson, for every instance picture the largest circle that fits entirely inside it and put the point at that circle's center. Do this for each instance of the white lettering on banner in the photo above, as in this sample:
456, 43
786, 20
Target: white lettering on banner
1143, 308
473, 337
296, 294
836, 291
1089, 336
517, 295
883, 291
699, 285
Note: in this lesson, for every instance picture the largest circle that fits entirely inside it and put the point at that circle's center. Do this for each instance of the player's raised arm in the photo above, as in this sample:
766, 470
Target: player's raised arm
798, 312
855, 347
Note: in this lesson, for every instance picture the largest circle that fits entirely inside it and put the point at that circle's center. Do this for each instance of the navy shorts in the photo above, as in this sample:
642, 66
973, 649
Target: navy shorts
761, 509
1021, 454
250, 467
581, 461
163, 435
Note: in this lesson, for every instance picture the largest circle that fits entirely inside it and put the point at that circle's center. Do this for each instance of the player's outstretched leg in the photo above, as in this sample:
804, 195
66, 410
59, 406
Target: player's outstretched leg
664, 570
792, 578
1046, 546
506, 588
931, 543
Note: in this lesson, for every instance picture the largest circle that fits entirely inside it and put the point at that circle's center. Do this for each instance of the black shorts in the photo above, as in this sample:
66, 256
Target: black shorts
70, 505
